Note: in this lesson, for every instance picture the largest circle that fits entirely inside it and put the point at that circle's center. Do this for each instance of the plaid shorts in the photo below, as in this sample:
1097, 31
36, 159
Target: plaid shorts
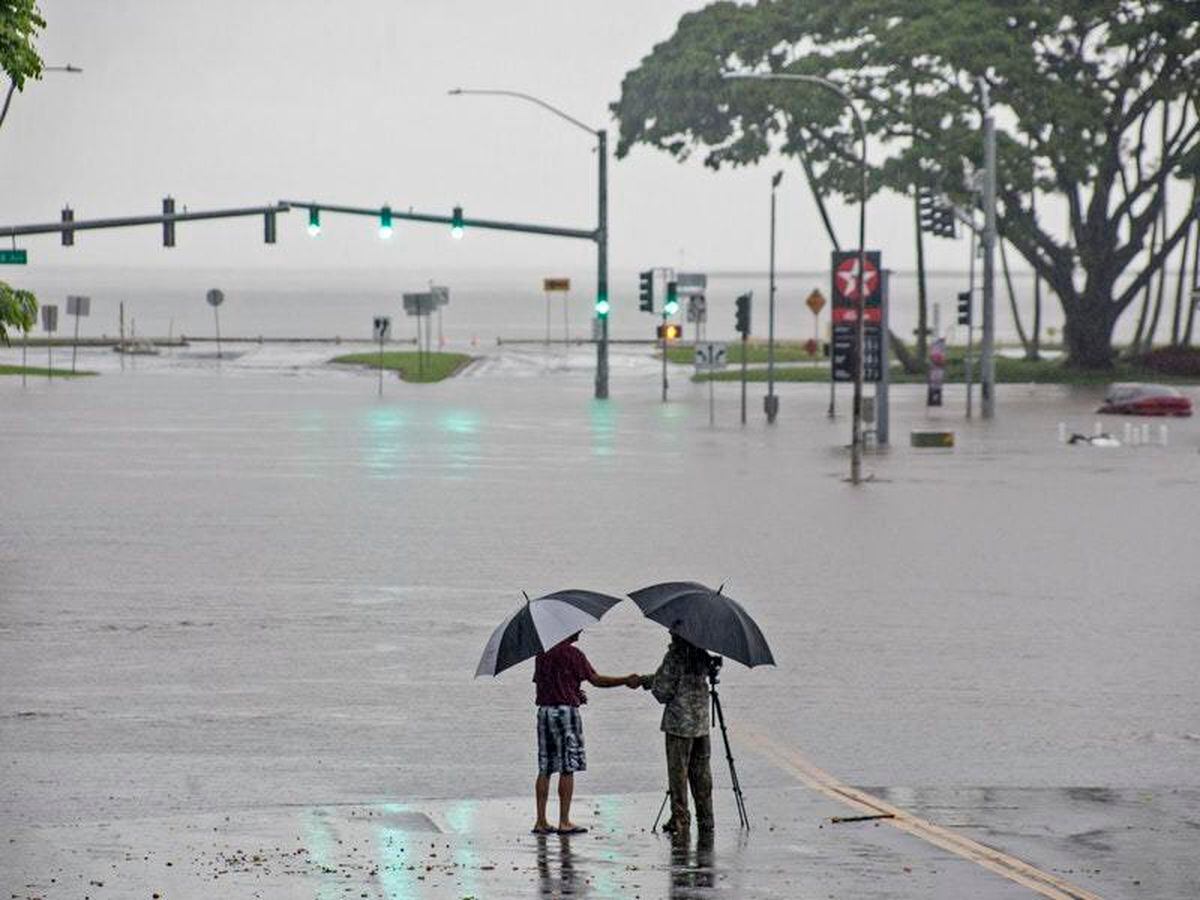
560, 740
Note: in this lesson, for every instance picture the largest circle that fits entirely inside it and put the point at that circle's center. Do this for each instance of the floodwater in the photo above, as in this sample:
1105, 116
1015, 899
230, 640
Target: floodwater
259, 585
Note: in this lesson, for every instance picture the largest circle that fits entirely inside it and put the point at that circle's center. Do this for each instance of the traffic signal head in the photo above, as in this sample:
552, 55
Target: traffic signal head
646, 291
742, 317
314, 221
669, 331
964, 308
68, 235
671, 306
456, 223
168, 227
385, 222
945, 223
927, 210
602, 306
269, 227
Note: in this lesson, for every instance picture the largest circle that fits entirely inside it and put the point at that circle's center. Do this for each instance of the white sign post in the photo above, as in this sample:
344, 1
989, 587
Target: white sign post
50, 325
383, 332
710, 357
77, 306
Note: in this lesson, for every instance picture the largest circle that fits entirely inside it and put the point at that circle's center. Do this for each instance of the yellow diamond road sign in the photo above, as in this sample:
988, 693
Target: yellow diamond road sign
816, 302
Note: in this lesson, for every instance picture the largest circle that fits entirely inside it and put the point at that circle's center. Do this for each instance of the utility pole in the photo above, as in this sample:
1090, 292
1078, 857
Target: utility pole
602, 268
987, 345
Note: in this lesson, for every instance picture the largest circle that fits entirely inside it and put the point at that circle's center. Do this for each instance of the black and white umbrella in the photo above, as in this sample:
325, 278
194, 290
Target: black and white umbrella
539, 625
706, 618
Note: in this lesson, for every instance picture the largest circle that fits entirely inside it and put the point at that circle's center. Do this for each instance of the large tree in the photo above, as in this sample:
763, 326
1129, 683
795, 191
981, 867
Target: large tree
1097, 103
20, 22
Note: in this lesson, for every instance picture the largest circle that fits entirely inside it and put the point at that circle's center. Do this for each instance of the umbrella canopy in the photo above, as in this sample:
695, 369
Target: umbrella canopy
706, 618
539, 625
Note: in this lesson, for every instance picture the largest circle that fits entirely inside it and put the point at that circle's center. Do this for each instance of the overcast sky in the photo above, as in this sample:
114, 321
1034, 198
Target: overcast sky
231, 103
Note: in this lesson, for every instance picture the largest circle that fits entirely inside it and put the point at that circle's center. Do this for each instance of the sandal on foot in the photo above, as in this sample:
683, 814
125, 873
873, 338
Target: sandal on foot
577, 829
544, 829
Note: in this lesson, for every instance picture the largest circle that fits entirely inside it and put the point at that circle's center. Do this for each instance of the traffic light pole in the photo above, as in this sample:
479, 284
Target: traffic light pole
663, 342
602, 266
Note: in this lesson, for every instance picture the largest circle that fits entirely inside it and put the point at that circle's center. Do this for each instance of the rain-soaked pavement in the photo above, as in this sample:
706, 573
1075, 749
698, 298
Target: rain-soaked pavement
239, 612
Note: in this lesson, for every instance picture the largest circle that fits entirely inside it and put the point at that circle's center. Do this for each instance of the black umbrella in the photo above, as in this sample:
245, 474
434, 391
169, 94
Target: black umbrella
539, 625
706, 618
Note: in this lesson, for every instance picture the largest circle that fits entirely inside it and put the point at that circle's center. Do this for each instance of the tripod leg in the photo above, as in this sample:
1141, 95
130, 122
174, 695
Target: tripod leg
666, 797
733, 777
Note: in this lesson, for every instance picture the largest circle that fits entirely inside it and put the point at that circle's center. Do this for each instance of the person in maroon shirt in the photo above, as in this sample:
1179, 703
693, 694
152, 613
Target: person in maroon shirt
558, 674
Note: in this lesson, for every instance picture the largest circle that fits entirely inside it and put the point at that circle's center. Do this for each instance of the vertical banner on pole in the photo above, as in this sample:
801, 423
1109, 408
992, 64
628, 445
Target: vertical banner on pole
845, 295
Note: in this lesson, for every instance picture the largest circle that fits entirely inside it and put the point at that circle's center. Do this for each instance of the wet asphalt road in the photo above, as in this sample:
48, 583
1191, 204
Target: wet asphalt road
262, 592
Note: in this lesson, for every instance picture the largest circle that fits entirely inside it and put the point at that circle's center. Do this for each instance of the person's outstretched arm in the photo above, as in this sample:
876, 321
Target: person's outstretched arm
607, 681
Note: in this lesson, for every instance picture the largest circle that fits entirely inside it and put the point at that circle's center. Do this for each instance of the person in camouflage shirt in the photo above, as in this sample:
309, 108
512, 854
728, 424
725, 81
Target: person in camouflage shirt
681, 685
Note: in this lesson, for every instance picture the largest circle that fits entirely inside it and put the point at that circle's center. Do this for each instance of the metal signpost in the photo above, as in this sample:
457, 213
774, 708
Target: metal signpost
383, 331
215, 298
421, 305
558, 286
77, 306
50, 325
710, 357
441, 298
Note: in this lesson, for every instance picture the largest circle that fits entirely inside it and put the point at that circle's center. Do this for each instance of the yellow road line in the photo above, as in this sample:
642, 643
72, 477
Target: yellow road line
1010, 867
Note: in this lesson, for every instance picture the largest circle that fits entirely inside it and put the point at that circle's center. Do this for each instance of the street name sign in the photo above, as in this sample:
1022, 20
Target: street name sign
420, 304
13, 257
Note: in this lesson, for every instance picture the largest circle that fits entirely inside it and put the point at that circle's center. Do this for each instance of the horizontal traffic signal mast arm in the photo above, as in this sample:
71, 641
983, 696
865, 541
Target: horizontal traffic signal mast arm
585, 234
132, 221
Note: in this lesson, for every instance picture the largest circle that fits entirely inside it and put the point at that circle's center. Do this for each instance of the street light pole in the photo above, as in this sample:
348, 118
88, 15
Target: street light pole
772, 404
74, 70
601, 234
856, 436
987, 344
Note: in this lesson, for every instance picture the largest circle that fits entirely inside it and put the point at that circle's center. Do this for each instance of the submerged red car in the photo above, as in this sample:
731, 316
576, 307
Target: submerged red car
1145, 400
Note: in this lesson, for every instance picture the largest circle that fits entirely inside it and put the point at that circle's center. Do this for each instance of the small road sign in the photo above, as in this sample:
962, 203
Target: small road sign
441, 294
552, 285
710, 357
13, 257
697, 308
79, 306
816, 302
215, 297
420, 304
689, 284
50, 318
383, 328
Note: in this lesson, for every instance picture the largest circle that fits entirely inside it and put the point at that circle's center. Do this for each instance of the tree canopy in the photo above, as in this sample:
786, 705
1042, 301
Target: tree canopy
1096, 103
18, 310
20, 22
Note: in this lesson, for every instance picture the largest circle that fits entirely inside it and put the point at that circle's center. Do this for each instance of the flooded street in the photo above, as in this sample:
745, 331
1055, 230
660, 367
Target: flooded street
261, 592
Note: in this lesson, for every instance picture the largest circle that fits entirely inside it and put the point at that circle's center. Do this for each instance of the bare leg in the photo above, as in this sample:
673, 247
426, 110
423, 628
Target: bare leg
541, 791
566, 790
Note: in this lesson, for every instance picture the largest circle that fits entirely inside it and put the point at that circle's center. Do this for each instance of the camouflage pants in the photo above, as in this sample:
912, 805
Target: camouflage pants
688, 763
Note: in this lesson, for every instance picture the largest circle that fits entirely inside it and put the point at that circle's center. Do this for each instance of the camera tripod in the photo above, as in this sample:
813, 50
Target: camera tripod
714, 678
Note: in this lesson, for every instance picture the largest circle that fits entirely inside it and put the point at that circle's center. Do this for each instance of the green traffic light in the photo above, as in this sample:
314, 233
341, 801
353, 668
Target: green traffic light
602, 306
314, 221
385, 222
456, 223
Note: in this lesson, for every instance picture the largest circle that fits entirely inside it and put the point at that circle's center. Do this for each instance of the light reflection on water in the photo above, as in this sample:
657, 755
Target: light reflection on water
382, 441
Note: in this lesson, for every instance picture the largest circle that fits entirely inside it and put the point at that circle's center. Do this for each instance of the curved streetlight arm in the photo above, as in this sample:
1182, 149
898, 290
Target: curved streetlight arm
75, 70
542, 103
860, 300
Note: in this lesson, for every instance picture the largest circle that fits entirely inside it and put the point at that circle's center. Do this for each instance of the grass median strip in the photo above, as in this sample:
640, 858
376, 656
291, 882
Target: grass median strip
410, 365
1008, 371
42, 372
